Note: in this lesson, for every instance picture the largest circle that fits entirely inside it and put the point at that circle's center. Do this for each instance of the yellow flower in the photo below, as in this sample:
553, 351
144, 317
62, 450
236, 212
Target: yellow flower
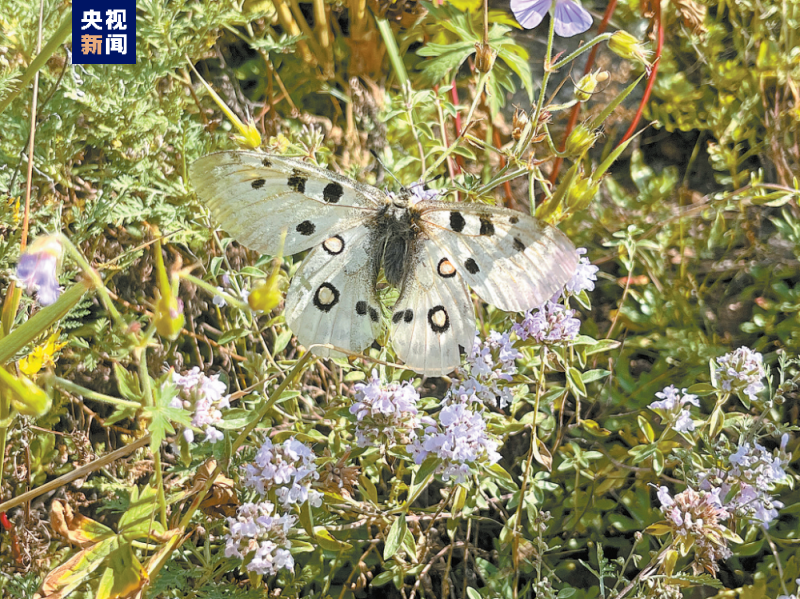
41, 356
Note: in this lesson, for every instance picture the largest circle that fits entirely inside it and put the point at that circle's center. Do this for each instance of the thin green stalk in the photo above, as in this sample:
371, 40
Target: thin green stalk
89, 394
581, 50
214, 291
59, 37
394, 53
144, 377
478, 92
497, 181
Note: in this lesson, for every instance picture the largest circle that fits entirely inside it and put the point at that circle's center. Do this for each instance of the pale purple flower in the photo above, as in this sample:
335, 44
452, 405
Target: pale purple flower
552, 323
288, 470
487, 374
218, 300
460, 439
205, 397
258, 529
584, 277
570, 17
741, 370
671, 408
794, 595
37, 269
385, 414
753, 473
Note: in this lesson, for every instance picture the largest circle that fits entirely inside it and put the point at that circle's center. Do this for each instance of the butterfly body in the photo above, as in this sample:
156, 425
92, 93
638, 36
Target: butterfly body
429, 249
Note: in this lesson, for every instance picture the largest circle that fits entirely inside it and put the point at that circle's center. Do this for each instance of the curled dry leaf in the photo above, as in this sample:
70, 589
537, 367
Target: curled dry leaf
75, 527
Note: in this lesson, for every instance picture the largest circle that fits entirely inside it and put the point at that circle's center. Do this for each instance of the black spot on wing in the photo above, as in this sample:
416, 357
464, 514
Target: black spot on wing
334, 245
457, 222
397, 317
373, 314
518, 245
513, 220
306, 228
408, 316
438, 319
258, 183
332, 193
361, 308
326, 297
487, 228
471, 266
267, 162
297, 181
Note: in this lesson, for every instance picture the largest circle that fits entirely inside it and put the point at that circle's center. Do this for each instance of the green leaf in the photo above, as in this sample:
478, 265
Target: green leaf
395, 537
161, 415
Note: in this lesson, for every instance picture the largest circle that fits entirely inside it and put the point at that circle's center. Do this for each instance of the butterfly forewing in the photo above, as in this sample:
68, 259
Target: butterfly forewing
254, 196
434, 314
332, 296
510, 259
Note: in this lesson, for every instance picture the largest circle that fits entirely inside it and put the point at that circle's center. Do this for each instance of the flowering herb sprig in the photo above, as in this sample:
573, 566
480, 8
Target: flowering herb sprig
286, 469
741, 372
671, 407
205, 397
259, 535
386, 414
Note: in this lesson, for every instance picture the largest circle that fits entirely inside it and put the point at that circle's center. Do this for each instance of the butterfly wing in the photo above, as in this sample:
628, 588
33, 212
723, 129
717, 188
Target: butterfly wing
331, 298
434, 314
254, 196
510, 259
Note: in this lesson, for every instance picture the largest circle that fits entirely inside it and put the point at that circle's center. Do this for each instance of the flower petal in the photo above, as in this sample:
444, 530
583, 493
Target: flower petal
530, 13
571, 18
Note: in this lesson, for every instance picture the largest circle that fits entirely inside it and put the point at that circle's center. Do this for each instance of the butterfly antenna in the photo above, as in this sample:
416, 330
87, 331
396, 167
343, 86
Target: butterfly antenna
383, 166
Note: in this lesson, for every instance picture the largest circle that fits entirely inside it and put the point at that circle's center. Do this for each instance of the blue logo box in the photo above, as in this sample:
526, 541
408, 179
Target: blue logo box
104, 31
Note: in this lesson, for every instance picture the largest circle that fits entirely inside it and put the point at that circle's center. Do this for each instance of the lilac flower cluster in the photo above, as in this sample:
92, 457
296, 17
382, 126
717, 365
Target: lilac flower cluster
385, 414
550, 324
671, 408
288, 469
752, 472
459, 439
585, 276
695, 519
205, 397
490, 367
741, 371
258, 529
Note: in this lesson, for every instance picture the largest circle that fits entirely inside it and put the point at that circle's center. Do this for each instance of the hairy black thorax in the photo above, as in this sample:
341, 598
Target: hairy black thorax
395, 230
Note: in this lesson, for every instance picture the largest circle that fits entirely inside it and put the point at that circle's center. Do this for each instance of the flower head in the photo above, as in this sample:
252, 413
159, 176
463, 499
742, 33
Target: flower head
570, 17
490, 366
37, 269
552, 323
259, 530
741, 371
747, 479
695, 520
385, 414
670, 408
584, 277
205, 397
288, 469
459, 439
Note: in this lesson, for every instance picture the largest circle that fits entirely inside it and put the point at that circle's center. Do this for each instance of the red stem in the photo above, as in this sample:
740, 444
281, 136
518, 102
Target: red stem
651, 80
573, 116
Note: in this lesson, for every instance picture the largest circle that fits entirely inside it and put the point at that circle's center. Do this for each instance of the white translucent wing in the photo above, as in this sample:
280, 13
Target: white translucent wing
434, 314
254, 196
510, 259
331, 298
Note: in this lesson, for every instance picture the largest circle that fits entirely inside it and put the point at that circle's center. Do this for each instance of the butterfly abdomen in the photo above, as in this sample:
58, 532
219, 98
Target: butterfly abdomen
394, 231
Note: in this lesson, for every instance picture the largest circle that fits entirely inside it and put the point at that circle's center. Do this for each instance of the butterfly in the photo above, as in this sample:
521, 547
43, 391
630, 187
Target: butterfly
430, 250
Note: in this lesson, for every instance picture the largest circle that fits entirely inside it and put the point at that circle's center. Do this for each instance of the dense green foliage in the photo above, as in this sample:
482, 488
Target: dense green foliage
694, 224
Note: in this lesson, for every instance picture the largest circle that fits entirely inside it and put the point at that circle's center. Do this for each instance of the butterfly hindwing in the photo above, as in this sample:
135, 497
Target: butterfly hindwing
434, 314
254, 196
510, 259
332, 299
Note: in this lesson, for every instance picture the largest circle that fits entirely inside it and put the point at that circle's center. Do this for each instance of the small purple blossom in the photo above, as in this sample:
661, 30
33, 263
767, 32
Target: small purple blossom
205, 397
741, 370
552, 323
288, 469
490, 366
385, 414
218, 300
258, 529
570, 17
37, 269
671, 408
460, 439
753, 473
585, 275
